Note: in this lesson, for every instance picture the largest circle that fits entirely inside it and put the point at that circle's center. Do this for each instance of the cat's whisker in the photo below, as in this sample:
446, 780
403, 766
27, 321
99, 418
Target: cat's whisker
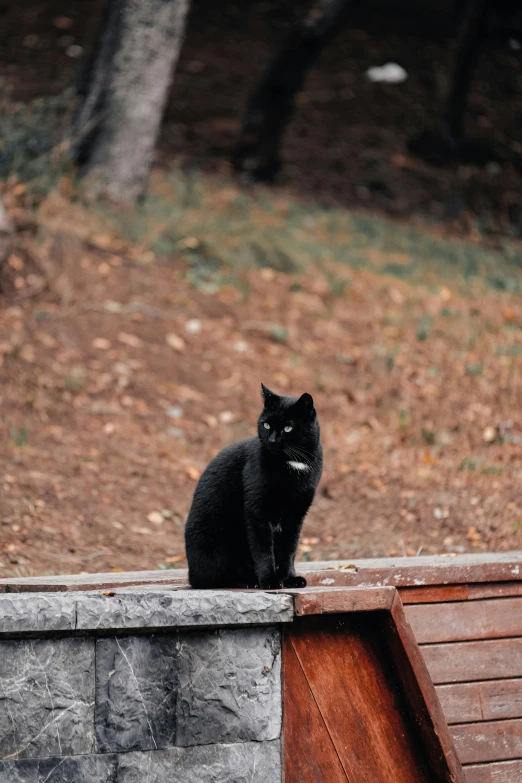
302, 455
304, 451
298, 457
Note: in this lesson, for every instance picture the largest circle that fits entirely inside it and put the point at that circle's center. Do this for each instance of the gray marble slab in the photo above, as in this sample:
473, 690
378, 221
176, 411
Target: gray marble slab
46, 697
136, 690
230, 686
248, 762
135, 610
69, 769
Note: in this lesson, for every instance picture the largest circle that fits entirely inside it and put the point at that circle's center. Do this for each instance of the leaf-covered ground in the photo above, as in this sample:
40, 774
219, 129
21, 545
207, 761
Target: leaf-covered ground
133, 345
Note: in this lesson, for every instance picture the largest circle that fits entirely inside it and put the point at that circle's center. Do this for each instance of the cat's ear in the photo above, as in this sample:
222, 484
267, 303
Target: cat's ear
305, 404
270, 398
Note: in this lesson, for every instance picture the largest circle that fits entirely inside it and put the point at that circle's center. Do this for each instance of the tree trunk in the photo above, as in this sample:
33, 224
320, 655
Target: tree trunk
124, 93
272, 102
470, 39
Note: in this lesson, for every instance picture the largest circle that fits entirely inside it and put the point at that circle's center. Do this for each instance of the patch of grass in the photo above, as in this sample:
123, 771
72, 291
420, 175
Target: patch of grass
404, 418
471, 463
33, 141
429, 436
247, 231
424, 328
19, 437
509, 350
279, 333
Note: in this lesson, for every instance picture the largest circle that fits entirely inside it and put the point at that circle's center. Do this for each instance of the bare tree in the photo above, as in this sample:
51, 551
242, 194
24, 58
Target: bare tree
124, 93
6, 233
257, 150
272, 102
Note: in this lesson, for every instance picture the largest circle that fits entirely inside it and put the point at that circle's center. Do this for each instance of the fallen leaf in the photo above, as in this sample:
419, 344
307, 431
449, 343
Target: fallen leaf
101, 343
175, 559
27, 354
156, 517
144, 531
193, 326
63, 22
129, 339
175, 342
473, 535
15, 262
46, 339
489, 435
193, 472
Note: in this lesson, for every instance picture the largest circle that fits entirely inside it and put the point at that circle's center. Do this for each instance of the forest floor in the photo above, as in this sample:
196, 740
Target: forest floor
131, 353
133, 342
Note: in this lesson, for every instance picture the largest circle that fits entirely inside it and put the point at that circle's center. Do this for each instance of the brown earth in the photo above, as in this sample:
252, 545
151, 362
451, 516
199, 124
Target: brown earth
121, 376
120, 380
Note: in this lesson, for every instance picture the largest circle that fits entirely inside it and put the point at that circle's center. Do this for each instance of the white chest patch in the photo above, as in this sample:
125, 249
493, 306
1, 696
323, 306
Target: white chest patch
298, 465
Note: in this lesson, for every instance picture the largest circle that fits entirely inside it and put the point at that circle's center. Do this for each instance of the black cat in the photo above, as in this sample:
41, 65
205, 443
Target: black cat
250, 503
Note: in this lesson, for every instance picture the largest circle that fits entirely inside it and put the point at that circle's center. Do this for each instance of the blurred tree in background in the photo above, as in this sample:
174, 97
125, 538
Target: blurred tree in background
124, 93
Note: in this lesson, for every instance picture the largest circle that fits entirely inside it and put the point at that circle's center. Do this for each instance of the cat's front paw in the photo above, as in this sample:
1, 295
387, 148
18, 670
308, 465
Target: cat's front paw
294, 581
271, 584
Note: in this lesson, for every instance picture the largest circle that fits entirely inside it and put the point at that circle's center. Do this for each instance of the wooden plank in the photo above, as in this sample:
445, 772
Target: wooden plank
310, 601
76, 582
473, 592
419, 690
417, 571
467, 620
474, 661
494, 590
498, 740
378, 734
481, 701
378, 572
314, 759
503, 772
434, 594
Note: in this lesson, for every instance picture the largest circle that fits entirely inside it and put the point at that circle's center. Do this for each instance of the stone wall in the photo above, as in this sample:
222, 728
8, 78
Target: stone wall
141, 686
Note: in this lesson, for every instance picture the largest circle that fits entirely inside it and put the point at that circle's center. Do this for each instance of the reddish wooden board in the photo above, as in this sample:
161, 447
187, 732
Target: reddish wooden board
380, 572
494, 741
474, 661
434, 594
315, 758
494, 590
340, 600
469, 620
476, 701
503, 772
379, 723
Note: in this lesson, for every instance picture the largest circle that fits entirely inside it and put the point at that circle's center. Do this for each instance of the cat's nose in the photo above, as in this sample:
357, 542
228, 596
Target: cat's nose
272, 437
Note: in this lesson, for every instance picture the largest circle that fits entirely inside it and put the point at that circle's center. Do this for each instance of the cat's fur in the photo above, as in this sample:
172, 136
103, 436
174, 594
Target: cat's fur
249, 505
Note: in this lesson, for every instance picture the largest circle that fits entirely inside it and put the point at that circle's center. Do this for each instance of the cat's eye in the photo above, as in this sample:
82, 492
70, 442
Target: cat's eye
266, 425
288, 428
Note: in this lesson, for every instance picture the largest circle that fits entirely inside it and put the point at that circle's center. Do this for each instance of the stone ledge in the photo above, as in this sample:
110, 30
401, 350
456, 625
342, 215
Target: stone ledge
249, 762
23, 613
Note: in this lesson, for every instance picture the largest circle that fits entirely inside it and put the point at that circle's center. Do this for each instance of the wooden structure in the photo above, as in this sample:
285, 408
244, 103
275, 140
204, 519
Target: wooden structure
358, 702
466, 616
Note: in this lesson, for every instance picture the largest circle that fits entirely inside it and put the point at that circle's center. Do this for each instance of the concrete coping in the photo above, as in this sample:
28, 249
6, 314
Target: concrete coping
134, 609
